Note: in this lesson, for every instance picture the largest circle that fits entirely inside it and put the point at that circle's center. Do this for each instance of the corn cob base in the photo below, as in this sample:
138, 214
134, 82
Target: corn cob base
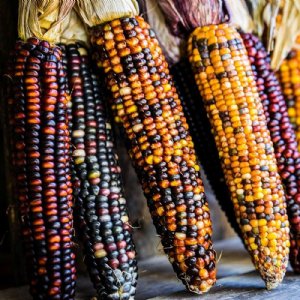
100, 204
146, 103
282, 135
226, 83
42, 162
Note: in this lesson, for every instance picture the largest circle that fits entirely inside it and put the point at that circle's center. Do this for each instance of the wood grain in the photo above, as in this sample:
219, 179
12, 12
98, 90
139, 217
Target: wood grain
236, 280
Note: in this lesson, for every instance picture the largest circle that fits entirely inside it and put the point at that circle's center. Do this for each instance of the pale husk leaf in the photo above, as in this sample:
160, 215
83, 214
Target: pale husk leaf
256, 9
169, 42
287, 32
73, 30
43, 18
239, 15
95, 12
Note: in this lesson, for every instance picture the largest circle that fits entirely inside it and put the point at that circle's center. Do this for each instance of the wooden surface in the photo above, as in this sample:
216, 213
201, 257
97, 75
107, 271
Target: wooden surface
237, 280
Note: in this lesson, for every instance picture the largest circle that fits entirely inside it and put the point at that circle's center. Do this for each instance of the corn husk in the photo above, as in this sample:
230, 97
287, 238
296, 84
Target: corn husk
264, 14
43, 18
277, 23
73, 30
183, 16
95, 12
239, 15
170, 43
286, 32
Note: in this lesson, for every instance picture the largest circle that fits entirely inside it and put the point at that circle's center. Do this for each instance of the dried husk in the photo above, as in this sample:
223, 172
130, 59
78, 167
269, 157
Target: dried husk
277, 23
95, 12
239, 15
286, 32
256, 8
171, 44
73, 30
43, 19
183, 16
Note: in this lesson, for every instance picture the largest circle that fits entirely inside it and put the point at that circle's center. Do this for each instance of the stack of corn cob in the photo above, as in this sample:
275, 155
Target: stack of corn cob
227, 86
43, 76
247, 116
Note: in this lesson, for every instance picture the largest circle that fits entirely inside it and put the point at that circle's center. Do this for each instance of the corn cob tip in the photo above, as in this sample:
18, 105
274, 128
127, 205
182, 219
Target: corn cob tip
272, 283
273, 276
196, 290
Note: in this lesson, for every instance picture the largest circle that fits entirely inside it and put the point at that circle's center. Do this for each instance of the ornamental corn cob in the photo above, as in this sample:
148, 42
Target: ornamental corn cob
226, 83
41, 161
289, 77
101, 206
146, 103
282, 135
202, 136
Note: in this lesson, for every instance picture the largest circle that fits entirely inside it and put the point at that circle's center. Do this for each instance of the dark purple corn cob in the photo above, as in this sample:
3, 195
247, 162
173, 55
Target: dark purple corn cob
282, 135
101, 212
202, 136
41, 161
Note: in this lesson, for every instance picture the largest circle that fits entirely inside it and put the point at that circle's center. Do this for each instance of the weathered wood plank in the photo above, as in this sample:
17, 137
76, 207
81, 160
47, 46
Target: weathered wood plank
236, 280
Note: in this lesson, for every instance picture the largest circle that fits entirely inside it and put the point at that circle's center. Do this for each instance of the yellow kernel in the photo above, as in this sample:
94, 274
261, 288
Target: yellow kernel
203, 273
131, 109
160, 210
100, 253
79, 160
272, 243
262, 222
167, 87
149, 159
254, 223
272, 236
247, 227
94, 175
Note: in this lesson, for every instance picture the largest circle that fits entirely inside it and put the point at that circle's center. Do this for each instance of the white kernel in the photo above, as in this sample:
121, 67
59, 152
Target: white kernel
78, 152
138, 127
78, 133
125, 91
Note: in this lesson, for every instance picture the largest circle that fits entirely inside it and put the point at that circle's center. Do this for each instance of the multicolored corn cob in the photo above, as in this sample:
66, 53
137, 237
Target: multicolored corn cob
289, 78
282, 136
42, 164
203, 137
145, 101
227, 85
100, 204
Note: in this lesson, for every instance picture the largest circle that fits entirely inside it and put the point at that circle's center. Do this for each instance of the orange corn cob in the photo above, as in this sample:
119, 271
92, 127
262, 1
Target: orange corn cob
225, 80
146, 103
